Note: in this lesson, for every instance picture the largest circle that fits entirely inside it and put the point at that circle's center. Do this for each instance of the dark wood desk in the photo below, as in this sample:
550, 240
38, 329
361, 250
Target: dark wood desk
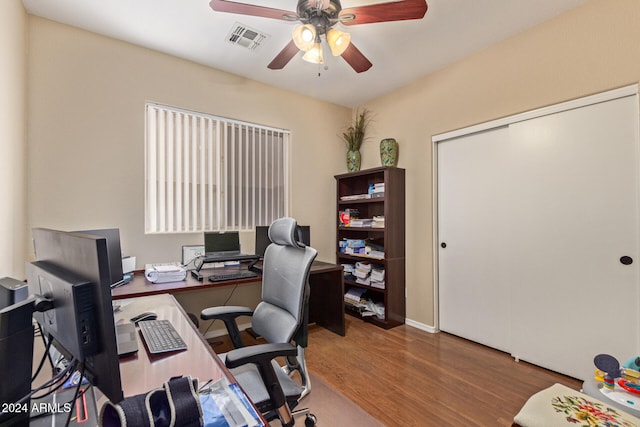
143, 372
326, 302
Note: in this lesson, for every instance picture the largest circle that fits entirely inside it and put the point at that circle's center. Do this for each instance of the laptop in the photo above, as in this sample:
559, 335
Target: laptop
224, 246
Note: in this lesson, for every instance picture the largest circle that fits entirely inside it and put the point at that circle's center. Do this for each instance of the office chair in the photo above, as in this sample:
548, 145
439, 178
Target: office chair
281, 319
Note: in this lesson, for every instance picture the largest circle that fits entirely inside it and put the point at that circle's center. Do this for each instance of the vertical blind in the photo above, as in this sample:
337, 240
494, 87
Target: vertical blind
207, 173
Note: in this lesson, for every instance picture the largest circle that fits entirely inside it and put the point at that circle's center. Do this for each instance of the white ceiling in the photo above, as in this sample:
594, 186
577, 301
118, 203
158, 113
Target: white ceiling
400, 51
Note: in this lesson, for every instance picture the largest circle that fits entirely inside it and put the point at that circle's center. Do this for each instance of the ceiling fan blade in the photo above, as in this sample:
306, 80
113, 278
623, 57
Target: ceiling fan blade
384, 12
250, 9
356, 59
284, 56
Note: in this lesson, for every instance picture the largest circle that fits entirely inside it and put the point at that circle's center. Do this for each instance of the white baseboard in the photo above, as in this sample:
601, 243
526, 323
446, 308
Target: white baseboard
221, 332
422, 326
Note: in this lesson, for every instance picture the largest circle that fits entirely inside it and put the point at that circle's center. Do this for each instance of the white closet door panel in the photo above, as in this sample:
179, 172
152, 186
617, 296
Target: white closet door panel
575, 214
471, 199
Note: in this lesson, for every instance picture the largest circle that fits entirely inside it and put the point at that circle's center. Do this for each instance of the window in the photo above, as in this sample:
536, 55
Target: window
207, 173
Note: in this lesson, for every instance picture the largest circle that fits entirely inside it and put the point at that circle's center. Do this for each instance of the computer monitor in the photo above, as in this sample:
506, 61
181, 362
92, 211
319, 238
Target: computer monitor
83, 257
262, 237
115, 251
16, 356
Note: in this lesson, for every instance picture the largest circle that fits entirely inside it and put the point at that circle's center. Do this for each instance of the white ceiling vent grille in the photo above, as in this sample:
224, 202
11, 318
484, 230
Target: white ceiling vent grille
244, 36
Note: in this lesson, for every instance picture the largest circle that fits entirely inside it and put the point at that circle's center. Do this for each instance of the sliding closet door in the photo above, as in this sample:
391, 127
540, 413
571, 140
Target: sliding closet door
577, 207
471, 200
537, 223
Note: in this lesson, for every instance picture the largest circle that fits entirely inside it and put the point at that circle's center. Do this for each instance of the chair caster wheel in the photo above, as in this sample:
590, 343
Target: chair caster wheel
310, 420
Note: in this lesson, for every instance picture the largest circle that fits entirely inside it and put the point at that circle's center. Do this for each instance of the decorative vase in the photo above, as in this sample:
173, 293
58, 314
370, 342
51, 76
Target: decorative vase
389, 152
353, 160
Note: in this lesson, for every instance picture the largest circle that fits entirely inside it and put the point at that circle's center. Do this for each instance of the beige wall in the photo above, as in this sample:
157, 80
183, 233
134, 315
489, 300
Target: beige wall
86, 137
86, 140
13, 47
587, 50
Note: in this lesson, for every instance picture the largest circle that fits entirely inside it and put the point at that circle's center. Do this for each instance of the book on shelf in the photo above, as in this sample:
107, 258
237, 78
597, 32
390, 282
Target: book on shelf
354, 295
355, 197
377, 278
377, 221
361, 222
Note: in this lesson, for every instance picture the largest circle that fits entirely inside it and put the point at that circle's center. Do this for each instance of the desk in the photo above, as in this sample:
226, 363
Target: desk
326, 302
143, 372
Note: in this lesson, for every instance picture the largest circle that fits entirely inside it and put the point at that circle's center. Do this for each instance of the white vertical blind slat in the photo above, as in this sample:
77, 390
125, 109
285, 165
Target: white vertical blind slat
208, 173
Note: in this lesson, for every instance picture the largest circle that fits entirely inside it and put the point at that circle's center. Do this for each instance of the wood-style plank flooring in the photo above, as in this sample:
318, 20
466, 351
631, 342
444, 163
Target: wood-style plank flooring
408, 377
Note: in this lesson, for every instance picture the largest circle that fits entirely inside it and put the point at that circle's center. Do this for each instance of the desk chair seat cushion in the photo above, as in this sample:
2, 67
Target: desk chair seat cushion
559, 405
249, 379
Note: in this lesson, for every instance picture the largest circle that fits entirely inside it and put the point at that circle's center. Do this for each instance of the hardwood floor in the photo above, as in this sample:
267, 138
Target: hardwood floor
408, 377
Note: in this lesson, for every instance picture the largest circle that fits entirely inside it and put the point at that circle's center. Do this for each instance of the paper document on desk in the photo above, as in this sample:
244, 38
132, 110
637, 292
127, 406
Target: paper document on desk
225, 405
163, 273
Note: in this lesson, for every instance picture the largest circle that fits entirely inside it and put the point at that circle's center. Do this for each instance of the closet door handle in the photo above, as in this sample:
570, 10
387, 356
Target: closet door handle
626, 260
443, 245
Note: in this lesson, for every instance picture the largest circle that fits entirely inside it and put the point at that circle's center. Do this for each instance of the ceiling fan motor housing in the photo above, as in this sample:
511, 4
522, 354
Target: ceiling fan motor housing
321, 19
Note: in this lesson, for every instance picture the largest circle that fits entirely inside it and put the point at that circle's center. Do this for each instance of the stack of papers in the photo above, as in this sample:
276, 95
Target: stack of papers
361, 222
377, 278
362, 272
354, 296
377, 221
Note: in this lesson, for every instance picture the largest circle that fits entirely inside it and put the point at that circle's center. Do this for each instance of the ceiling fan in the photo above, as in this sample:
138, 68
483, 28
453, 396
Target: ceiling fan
318, 18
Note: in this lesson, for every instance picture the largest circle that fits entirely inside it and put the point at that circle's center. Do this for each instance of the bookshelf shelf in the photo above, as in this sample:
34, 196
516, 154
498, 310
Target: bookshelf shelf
391, 238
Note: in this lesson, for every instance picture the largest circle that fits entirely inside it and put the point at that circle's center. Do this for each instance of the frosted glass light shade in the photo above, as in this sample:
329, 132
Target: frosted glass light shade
338, 41
304, 37
314, 55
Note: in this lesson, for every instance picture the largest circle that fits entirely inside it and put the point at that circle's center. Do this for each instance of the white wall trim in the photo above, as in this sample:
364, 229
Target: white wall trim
421, 326
222, 332
544, 111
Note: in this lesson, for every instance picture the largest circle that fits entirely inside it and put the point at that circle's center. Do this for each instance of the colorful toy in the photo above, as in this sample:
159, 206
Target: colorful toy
611, 368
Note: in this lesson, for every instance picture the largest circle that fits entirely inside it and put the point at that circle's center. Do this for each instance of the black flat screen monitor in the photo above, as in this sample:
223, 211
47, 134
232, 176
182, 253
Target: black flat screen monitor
262, 237
86, 257
114, 248
16, 356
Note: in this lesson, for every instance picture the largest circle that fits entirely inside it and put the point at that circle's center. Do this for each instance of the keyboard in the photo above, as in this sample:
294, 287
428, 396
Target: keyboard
230, 275
160, 336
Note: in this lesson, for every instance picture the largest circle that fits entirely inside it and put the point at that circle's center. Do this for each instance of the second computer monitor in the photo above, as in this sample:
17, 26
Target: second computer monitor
262, 237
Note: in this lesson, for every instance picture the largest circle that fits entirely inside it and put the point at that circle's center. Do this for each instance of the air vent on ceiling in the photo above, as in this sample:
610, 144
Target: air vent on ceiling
244, 36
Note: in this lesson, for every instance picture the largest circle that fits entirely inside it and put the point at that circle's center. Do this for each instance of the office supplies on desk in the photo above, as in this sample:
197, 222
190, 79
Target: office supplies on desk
160, 336
230, 275
126, 339
163, 273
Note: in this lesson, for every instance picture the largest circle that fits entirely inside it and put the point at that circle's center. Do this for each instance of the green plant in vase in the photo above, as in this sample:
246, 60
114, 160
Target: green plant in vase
353, 138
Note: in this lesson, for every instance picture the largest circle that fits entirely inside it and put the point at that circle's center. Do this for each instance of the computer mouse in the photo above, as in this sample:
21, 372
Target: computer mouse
144, 316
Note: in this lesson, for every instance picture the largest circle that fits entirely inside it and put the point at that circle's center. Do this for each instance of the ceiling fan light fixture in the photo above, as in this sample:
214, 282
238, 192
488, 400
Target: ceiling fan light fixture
338, 41
304, 37
314, 55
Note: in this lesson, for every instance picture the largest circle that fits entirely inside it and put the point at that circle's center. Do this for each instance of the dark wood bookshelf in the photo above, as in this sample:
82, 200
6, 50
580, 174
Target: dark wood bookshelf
391, 237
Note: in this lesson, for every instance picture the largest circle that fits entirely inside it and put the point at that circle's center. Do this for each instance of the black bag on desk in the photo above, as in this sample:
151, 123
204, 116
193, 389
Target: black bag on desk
176, 403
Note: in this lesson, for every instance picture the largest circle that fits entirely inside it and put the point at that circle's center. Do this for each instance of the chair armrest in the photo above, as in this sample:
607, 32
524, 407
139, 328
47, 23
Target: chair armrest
258, 354
228, 314
225, 312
